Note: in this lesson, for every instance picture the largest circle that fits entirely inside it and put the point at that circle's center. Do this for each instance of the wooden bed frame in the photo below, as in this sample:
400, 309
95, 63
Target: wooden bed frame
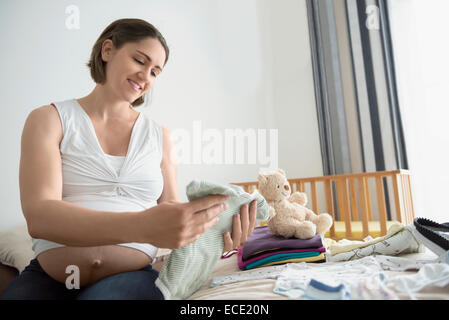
361, 204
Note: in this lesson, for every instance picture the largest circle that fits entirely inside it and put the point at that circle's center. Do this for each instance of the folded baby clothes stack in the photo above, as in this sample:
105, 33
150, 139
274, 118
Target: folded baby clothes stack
265, 249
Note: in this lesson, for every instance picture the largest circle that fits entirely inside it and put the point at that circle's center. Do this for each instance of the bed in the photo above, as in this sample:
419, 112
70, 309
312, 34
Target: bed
361, 204
262, 289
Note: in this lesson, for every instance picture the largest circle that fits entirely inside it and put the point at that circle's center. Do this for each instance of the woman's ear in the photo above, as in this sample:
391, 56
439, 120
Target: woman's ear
106, 50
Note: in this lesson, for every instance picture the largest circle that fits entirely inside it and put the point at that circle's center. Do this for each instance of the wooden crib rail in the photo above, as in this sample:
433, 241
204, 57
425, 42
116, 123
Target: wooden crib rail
369, 201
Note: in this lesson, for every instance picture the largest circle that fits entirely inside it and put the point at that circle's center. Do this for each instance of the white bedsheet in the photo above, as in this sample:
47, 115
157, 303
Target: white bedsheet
262, 289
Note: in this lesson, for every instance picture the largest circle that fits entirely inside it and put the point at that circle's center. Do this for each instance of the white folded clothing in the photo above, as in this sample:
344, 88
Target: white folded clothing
401, 242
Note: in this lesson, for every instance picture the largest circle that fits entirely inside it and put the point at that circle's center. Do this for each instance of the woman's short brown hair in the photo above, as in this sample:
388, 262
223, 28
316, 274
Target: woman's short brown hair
120, 32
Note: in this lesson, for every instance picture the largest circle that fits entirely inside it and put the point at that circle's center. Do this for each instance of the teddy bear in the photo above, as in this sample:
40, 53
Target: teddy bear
289, 217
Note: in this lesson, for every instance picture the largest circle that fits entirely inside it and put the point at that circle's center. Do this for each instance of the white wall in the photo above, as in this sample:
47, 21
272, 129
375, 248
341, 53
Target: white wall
233, 64
419, 30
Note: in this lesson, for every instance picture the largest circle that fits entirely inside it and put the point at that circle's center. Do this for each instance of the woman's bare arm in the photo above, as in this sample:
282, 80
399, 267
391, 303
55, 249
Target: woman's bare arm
169, 225
40, 180
168, 168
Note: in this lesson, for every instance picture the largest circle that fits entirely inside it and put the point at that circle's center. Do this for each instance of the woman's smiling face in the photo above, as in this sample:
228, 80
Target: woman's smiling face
132, 70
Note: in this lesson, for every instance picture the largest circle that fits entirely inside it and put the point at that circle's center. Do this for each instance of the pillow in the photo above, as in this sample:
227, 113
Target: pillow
16, 247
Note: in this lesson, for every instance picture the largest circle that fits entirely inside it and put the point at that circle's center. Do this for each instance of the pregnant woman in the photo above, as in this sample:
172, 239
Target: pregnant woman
98, 182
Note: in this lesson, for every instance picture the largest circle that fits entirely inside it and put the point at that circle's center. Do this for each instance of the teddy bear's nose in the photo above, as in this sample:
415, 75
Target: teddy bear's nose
286, 187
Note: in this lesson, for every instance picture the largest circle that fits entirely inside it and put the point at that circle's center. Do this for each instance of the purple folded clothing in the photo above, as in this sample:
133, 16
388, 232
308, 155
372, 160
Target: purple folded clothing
262, 240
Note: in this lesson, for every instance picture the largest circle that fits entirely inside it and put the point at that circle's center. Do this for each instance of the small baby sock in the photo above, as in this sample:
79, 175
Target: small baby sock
188, 268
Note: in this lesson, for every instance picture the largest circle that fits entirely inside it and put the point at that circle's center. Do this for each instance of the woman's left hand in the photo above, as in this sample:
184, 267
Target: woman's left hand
242, 226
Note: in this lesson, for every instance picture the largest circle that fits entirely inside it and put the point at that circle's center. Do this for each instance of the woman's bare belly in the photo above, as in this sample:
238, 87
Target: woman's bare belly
94, 263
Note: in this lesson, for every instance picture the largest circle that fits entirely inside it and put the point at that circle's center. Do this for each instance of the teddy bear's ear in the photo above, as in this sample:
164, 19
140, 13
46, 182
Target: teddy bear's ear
262, 178
281, 172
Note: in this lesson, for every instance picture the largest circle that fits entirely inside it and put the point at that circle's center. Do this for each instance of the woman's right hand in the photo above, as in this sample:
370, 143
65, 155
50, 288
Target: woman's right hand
174, 224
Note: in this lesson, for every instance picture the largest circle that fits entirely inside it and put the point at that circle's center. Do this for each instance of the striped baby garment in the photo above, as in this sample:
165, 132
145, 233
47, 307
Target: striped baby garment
188, 268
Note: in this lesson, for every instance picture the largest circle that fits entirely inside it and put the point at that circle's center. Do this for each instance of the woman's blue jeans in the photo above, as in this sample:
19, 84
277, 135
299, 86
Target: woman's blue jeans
34, 284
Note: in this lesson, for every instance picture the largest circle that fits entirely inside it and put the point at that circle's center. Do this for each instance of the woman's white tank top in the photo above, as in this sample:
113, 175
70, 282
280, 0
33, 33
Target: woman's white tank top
99, 181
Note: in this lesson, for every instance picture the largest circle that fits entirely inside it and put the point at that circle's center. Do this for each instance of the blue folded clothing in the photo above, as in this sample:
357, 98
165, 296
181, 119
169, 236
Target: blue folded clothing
280, 258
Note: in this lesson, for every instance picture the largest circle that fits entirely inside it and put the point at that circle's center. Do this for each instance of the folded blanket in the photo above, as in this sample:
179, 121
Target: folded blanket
262, 240
401, 242
345, 245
